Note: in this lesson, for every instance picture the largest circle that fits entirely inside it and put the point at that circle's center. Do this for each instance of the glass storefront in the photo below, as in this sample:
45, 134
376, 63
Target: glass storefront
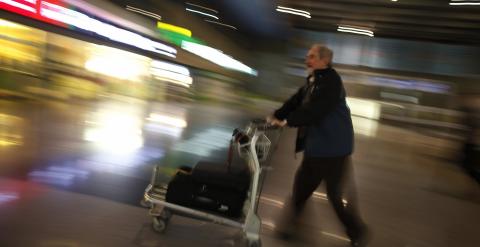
36, 62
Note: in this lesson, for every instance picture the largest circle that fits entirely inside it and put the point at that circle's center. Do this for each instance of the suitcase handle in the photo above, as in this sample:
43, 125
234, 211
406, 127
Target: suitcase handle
237, 136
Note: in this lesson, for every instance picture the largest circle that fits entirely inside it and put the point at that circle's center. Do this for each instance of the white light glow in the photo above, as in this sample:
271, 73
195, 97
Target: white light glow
272, 225
4, 23
20, 5
172, 73
399, 97
217, 57
162, 129
364, 126
70, 170
173, 77
167, 120
364, 108
336, 236
115, 132
110, 68
294, 11
273, 202
116, 63
171, 123
144, 12
6, 197
170, 67
82, 21
204, 143
52, 177
202, 13
59, 175
355, 30
268, 224
323, 196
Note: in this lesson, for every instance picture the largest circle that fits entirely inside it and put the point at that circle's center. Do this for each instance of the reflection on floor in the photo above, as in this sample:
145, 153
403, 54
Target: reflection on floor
60, 188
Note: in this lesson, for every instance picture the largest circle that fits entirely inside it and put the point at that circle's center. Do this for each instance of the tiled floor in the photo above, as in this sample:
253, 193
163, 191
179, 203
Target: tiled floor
58, 189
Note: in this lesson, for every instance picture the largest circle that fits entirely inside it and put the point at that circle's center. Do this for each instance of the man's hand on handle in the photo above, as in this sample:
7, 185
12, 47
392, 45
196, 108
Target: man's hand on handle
276, 122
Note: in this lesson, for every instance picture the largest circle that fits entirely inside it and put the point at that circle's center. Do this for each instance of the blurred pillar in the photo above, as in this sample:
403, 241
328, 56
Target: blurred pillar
271, 58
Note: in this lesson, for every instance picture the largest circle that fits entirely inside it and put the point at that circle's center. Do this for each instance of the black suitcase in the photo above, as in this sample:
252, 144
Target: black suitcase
234, 176
184, 190
217, 187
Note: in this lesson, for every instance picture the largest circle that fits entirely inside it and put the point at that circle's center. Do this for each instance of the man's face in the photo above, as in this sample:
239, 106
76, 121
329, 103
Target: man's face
313, 61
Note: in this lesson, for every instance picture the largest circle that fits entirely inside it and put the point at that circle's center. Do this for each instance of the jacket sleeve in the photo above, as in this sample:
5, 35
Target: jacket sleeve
291, 104
323, 100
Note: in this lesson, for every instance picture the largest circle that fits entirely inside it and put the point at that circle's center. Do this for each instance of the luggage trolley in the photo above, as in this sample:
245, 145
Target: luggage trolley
253, 151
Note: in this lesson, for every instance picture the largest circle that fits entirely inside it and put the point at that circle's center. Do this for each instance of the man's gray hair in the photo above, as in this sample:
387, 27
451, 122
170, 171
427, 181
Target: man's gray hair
324, 52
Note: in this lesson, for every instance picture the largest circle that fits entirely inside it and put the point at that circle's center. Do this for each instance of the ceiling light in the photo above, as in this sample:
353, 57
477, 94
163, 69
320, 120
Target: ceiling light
202, 13
355, 30
199, 6
222, 24
294, 11
460, 2
144, 12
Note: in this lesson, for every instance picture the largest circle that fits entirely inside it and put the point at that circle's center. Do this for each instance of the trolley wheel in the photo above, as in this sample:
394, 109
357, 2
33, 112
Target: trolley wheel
256, 243
159, 224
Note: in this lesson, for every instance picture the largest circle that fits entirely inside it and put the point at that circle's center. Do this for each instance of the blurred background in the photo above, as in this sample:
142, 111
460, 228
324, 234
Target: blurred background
93, 94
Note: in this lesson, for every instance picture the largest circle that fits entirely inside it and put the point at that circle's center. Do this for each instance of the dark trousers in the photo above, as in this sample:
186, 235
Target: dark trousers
336, 171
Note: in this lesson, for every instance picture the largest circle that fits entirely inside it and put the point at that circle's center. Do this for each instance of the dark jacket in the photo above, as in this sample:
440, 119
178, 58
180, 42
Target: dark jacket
323, 117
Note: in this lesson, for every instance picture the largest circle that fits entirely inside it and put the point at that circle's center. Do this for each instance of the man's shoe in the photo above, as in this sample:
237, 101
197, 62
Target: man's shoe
362, 239
288, 234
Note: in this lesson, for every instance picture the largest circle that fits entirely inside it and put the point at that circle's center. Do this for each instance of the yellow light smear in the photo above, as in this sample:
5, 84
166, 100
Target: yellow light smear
173, 28
6, 143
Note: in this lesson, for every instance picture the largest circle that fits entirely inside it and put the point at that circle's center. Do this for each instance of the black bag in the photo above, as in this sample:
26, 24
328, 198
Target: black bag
217, 187
184, 190
232, 174
235, 177
181, 189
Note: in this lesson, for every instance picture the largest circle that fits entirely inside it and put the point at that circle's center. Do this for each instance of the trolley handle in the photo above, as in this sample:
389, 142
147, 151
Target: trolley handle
262, 125
272, 127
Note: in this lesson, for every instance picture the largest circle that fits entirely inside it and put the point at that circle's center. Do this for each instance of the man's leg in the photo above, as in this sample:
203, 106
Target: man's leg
304, 185
339, 175
307, 179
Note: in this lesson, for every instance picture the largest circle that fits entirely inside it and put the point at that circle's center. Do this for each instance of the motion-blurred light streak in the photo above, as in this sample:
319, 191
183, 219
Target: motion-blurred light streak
293, 11
217, 57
